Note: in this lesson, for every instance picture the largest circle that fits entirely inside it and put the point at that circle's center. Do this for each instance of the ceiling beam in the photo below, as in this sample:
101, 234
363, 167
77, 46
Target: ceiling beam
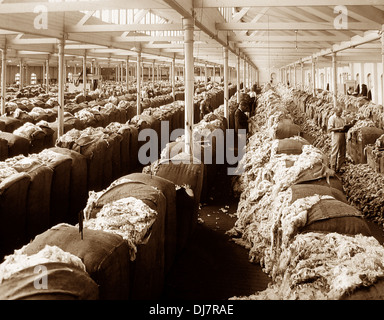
70, 6
279, 3
294, 26
124, 27
289, 38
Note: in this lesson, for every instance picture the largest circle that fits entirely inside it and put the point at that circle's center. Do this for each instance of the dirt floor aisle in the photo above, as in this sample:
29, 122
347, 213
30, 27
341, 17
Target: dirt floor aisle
212, 267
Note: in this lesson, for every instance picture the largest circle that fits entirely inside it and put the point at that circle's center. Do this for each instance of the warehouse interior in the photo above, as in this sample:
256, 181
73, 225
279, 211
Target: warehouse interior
116, 185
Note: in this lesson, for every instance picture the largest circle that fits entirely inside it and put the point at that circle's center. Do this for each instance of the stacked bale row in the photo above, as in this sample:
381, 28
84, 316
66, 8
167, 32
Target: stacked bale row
368, 128
362, 179
294, 218
121, 267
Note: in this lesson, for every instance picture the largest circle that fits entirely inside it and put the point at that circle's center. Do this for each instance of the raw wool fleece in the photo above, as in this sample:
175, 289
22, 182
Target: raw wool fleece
318, 266
128, 217
6, 171
19, 260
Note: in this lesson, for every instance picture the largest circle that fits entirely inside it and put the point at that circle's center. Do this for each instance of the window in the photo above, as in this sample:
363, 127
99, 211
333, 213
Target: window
33, 78
17, 78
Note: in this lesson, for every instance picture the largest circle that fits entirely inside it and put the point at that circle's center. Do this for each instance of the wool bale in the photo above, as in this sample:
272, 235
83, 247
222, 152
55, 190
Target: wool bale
185, 173
11, 124
133, 147
94, 149
359, 140
115, 143
286, 129
168, 188
13, 212
125, 150
60, 186
334, 182
3, 149
331, 215
78, 188
16, 145
38, 197
65, 282
104, 254
306, 190
290, 146
145, 283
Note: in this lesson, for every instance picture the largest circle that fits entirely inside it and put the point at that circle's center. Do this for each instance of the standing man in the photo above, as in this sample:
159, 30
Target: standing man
336, 125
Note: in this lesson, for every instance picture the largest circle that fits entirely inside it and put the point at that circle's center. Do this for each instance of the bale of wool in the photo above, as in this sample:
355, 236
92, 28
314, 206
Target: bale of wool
78, 187
105, 256
16, 145
168, 188
137, 212
39, 192
49, 274
60, 186
13, 208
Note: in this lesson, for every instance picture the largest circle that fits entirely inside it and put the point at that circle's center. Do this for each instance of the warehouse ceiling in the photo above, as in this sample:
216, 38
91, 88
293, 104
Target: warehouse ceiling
282, 34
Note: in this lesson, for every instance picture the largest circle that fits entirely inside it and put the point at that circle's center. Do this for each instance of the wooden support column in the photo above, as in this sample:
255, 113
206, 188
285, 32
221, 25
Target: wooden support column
244, 75
206, 74
313, 77
375, 87
127, 73
47, 75
382, 68
226, 93
138, 83
302, 76
61, 84
294, 76
153, 73
238, 79
188, 27
85, 73
173, 78
21, 73
3, 78
334, 76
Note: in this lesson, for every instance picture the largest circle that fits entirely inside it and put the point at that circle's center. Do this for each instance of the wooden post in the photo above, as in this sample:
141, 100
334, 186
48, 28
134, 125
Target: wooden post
21, 72
60, 114
47, 74
3, 78
85, 73
138, 83
127, 73
188, 27
334, 75
238, 79
226, 93
173, 77
302, 76
313, 77
382, 68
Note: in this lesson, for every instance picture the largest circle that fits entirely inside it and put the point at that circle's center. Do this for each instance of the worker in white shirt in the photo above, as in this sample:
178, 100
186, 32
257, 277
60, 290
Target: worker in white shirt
338, 127
338, 148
